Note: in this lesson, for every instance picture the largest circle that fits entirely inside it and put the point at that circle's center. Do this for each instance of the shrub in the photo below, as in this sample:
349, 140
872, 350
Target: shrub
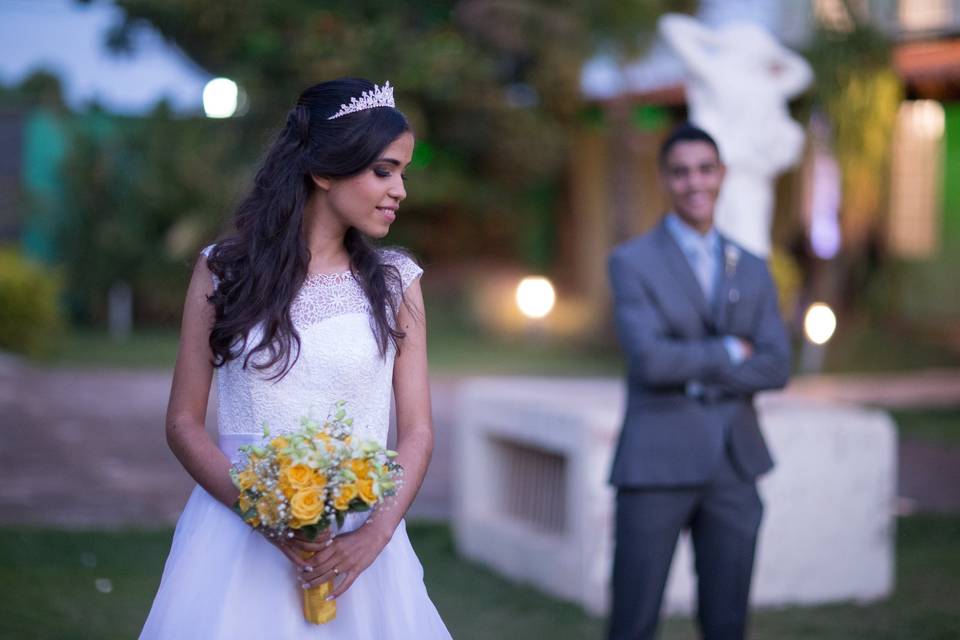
30, 318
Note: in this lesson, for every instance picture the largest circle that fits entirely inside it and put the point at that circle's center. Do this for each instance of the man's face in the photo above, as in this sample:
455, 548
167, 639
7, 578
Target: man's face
692, 174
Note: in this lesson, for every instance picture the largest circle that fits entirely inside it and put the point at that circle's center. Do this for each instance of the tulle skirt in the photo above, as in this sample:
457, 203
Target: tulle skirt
224, 580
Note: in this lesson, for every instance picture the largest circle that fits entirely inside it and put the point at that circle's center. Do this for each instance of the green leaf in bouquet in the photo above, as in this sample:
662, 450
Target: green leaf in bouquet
341, 517
358, 504
266, 430
348, 422
341, 414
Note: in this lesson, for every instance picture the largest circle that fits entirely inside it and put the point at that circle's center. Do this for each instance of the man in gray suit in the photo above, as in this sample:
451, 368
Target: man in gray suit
698, 321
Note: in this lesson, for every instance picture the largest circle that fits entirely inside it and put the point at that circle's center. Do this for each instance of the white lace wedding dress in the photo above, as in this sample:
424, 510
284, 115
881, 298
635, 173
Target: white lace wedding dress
224, 580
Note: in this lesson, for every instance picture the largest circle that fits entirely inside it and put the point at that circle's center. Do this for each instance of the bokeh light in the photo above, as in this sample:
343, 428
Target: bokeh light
220, 98
535, 296
926, 117
819, 323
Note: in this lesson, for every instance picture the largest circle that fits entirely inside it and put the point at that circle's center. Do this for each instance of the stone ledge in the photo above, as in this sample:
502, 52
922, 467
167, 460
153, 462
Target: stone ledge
828, 529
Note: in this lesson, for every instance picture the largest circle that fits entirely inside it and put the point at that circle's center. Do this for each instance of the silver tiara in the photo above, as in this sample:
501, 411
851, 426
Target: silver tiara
376, 97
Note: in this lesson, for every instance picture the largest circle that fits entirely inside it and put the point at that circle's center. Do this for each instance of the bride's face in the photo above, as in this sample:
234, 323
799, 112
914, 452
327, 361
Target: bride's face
370, 200
692, 174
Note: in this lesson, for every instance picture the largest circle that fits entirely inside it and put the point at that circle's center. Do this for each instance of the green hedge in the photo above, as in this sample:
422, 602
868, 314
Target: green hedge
30, 316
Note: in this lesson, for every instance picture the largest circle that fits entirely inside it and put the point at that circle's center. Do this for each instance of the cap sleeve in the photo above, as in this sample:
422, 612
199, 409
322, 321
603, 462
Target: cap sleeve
206, 253
409, 270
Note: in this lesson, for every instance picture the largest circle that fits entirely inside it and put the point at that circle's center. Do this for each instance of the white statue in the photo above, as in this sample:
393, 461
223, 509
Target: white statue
739, 81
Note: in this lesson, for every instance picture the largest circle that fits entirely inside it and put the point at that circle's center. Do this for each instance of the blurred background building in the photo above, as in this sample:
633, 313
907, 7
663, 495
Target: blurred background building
905, 237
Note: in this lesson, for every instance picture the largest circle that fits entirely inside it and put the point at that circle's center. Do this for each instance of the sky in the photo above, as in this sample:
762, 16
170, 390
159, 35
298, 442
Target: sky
68, 39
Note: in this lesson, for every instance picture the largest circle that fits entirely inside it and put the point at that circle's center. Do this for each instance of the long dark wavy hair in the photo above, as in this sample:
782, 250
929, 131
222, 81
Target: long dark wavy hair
263, 263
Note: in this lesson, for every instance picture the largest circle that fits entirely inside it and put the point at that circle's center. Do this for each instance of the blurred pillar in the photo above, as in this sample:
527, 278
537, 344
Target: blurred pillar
592, 216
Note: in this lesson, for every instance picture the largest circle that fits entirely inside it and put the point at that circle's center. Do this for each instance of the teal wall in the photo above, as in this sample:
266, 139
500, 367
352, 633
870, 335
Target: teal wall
44, 149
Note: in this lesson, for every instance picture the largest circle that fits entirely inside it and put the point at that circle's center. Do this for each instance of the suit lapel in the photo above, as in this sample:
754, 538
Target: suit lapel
728, 290
678, 266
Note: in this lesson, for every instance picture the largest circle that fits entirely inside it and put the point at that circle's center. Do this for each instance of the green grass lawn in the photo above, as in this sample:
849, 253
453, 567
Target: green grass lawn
451, 352
863, 345
938, 426
88, 348
48, 589
455, 348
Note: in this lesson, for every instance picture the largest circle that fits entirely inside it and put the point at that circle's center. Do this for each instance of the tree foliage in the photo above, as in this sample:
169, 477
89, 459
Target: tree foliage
491, 88
143, 195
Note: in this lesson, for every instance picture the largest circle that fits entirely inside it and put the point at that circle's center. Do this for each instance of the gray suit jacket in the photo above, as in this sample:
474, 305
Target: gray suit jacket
671, 336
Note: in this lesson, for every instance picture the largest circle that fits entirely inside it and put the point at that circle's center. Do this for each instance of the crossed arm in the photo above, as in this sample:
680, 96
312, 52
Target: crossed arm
661, 360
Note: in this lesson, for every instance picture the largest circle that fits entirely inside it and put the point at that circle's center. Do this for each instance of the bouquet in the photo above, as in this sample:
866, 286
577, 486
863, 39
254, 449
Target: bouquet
310, 479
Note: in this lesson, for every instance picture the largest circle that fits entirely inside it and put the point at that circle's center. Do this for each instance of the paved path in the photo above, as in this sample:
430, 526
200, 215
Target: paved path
86, 448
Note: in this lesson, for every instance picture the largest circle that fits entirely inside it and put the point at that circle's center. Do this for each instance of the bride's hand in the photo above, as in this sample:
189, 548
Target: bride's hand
298, 549
344, 558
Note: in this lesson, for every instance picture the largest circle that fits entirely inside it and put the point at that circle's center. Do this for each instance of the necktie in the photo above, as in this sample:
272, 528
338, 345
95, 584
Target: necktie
704, 267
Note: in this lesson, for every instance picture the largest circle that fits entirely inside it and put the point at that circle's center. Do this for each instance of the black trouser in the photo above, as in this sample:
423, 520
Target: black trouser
723, 517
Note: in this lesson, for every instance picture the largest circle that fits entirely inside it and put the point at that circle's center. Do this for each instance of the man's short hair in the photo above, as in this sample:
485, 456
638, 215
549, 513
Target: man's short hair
686, 132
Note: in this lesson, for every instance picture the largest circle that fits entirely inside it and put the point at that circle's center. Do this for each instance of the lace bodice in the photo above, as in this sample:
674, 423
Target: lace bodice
339, 360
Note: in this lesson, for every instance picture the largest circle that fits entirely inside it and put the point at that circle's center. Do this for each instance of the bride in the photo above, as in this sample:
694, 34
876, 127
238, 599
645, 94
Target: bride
296, 310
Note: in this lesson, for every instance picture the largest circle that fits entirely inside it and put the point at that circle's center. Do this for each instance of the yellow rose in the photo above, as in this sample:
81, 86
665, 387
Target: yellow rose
244, 502
246, 479
360, 467
285, 487
279, 443
347, 493
318, 480
367, 493
306, 506
267, 511
300, 476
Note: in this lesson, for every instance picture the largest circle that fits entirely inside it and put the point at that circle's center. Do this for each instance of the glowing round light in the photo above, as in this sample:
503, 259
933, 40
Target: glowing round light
220, 98
926, 117
819, 323
535, 296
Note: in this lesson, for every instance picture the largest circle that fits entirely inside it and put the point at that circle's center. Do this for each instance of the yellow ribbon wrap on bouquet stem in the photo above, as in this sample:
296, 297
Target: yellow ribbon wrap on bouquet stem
316, 608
